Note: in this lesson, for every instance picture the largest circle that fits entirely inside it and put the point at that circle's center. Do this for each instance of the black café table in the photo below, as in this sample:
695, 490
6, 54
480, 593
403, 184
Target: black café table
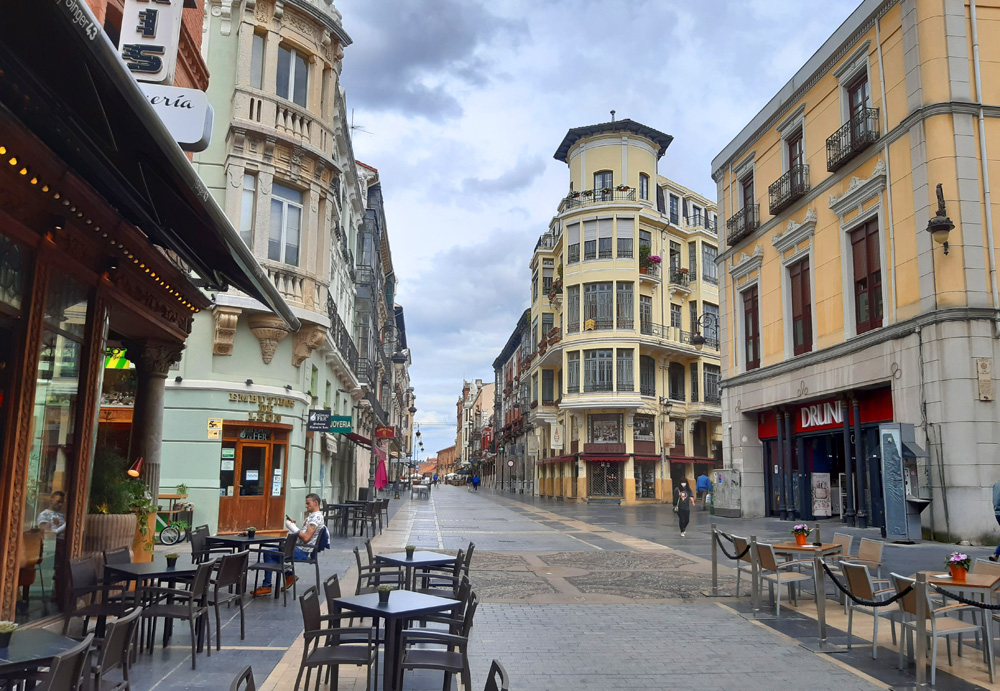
241, 543
402, 606
144, 572
419, 560
32, 648
343, 511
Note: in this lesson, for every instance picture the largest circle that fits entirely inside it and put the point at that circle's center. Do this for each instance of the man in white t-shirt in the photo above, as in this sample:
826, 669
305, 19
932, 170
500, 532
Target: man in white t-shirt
308, 536
53, 519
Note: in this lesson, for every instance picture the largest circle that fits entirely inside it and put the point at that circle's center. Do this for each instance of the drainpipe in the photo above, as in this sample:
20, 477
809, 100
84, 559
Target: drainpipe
888, 174
985, 170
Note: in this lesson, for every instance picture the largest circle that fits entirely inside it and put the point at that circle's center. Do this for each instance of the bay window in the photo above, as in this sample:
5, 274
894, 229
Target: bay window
286, 225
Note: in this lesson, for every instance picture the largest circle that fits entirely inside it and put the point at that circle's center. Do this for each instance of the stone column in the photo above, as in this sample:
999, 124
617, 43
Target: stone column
152, 360
849, 515
780, 462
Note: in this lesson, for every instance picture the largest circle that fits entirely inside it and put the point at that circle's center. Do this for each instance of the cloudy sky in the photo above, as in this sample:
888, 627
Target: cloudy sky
460, 104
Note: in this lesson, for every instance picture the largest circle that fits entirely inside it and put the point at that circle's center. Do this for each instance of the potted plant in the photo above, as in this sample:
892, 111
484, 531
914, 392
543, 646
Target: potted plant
801, 532
120, 507
7, 629
959, 565
410, 549
623, 188
383, 592
171, 559
251, 531
647, 259
182, 489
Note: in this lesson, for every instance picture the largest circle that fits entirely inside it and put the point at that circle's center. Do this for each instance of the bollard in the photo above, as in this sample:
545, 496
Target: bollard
715, 561
818, 540
921, 634
754, 576
820, 595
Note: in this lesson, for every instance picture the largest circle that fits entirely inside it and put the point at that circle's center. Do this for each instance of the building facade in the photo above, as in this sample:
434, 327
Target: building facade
511, 469
475, 427
619, 366
842, 311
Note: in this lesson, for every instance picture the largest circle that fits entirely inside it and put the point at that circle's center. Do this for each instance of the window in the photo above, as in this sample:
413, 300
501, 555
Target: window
573, 372
674, 218
645, 238
603, 182
646, 315
590, 239
573, 243
286, 225
693, 260
867, 277
643, 186
249, 208
534, 334
625, 377
534, 388
709, 269
548, 386
547, 272
694, 217
642, 428
675, 376
798, 279
858, 95
597, 370
796, 154
598, 305
326, 397
293, 76
675, 256
713, 375
534, 285
693, 312
626, 233
604, 238
746, 191
694, 382
675, 316
711, 324
751, 328
625, 308
573, 309
647, 375
547, 324
606, 429
314, 382
257, 62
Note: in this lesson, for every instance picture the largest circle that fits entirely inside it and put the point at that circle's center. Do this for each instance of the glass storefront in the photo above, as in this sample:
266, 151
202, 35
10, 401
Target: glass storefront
645, 479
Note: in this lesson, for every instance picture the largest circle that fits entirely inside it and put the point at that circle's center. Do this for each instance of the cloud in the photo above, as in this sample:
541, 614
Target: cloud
518, 177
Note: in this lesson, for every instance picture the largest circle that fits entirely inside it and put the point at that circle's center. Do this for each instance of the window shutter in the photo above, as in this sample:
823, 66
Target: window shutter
604, 228
573, 232
589, 230
626, 228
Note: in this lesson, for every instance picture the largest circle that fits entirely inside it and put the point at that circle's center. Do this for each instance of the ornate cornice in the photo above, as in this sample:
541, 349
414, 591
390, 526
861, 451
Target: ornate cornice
307, 339
226, 320
859, 191
748, 263
269, 330
795, 232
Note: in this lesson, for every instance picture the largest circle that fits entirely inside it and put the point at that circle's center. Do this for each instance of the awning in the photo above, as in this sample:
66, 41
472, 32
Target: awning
560, 459
63, 79
647, 458
358, 439
621, 458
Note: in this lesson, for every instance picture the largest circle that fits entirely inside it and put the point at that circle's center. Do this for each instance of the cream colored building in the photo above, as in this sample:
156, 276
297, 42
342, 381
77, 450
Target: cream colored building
621, 369
841, 312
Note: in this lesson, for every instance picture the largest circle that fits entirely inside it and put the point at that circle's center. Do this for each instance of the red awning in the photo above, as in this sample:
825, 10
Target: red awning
647, 458
358, 439
607, 459
560, 459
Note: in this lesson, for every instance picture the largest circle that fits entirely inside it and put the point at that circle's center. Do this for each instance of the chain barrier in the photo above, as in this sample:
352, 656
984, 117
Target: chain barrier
963, 600
865, 603
723, 547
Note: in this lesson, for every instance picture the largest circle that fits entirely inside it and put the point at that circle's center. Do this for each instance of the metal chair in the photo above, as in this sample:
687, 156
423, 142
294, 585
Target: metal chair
287, 562
452, 659
200, 551
244, 681
231, 576
869, 554
189, 605
744, 563
496, 680
313, 558
84, 583
863, 586
777, 575
357, 647
66, 670
113, 652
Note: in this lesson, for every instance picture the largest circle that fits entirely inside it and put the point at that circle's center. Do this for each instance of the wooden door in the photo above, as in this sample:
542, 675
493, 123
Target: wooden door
248, 503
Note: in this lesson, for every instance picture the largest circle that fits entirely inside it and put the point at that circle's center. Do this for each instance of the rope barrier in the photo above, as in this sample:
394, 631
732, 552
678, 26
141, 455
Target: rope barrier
963, 600
865, 603
723, 547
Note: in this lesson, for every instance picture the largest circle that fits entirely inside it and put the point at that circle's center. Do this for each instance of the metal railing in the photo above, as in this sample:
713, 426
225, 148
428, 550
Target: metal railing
680, 278
341, 337
851, 139
672, 333
598, 196
701, 221
789, 187
652, 271
742, 223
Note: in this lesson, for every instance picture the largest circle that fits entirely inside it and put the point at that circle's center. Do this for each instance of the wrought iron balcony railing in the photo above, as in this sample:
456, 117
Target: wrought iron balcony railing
598, 196
672, 333
742, 223
680, 278
789, 187
854, 137
701, 221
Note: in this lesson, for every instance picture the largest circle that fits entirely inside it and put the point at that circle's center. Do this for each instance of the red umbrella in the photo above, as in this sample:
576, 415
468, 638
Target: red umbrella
381, 476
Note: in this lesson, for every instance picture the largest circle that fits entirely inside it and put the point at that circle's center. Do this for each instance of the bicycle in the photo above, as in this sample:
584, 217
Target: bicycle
174, 533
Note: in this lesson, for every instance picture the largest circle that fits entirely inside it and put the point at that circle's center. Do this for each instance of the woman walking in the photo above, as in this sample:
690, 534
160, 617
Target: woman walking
683, 501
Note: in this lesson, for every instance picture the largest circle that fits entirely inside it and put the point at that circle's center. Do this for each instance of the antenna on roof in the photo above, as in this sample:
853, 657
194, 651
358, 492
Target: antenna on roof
612, 115
357, 128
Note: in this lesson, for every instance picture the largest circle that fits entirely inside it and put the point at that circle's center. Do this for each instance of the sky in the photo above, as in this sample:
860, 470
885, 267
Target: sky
461, 104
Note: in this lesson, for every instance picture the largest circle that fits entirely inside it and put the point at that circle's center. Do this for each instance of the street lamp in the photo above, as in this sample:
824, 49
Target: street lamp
706, 321
940, 225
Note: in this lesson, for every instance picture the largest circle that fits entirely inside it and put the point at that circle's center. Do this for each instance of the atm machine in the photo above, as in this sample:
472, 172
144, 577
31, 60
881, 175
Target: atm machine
906, 486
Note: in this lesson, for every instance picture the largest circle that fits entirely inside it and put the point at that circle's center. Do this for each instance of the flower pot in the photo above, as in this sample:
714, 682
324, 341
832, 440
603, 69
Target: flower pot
643, 269
383, 596
251, 532
107, 531
957, 572
801, 539
409, 553
5, 639
171, 562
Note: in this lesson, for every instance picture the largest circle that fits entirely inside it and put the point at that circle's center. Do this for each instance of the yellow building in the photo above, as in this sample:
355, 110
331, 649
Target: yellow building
621, 381
841, 309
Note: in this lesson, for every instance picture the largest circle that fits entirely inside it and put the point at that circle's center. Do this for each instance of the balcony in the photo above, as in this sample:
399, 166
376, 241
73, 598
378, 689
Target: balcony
744, 222
789, 187
296, 286
701, 221
650, 273
607, 195
675, 334
680, 278
851, 139
341, 337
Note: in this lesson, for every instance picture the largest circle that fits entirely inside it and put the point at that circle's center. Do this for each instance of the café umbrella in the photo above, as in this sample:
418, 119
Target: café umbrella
381, 477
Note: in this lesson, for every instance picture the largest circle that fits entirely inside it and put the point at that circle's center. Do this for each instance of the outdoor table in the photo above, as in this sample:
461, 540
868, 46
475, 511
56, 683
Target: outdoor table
420, 560
32, 648
345, 509
144, 572
795, 549
402, 606
242, 543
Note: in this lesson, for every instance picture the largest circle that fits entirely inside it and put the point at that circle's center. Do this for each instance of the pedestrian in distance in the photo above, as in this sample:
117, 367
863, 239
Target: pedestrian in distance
683, 501
996, 513
475, 482
703, 486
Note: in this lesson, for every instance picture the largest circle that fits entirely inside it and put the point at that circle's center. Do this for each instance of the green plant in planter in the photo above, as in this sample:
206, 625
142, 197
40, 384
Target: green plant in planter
112, 491
8, 627
171, 555
181, 488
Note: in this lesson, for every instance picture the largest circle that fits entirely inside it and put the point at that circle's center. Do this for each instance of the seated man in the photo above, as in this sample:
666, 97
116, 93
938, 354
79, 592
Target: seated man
307, 539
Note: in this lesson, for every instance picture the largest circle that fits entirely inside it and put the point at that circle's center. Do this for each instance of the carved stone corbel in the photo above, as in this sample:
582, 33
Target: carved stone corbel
269, 330
307, 339
225, 319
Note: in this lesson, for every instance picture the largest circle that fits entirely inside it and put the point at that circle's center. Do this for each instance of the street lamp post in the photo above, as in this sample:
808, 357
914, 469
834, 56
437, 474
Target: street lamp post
706, 322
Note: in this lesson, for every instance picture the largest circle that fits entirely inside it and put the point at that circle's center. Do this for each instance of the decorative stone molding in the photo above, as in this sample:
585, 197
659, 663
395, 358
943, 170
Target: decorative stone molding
795, 232
748, 263
225, 319
744, 167
859, 191
307, 339
224, 10
153, 357
269, 330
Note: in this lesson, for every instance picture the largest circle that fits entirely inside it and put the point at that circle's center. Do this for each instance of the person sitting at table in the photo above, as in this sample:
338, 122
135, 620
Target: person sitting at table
307, 542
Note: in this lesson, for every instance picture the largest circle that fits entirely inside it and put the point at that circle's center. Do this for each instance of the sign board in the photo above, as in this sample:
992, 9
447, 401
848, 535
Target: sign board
822, 502
318, 421
214, 434
252, 475
385, 432
215, 423
186, 113
150, 35
555, 437
510, 463
229, 453
340, 423
276, 489
228, 465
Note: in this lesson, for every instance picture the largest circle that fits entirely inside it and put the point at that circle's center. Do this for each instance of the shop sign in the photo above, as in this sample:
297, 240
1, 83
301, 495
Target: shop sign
340, 423
829, 414
556, 437
229, 452
385, 432
265, 405
186, 113
150, 35
822, 504
318, 421
821, 414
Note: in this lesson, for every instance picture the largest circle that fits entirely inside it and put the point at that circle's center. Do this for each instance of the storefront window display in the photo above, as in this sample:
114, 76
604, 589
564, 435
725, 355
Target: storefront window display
645, 479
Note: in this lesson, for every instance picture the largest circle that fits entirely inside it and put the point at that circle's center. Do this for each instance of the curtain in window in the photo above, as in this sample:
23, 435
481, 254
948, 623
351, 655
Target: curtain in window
625, 233
626, 378
625, 308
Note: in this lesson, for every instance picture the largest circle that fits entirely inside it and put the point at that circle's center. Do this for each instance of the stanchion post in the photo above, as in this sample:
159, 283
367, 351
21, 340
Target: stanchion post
715, 561
820, 595
921, 633
818, 538
754, 575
